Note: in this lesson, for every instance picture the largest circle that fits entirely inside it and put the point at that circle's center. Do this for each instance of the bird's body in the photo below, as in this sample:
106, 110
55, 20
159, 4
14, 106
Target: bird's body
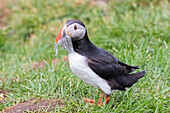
94, 65
80, 68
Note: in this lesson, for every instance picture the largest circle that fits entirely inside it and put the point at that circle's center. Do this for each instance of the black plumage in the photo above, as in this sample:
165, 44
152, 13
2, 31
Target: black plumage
107, 66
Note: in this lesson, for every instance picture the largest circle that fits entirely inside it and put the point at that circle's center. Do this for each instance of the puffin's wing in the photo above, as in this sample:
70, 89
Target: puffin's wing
105, 64
106, 70
108, 66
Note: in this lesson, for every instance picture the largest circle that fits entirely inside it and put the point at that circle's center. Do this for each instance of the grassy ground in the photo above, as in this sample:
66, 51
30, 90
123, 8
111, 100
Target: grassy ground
136, 32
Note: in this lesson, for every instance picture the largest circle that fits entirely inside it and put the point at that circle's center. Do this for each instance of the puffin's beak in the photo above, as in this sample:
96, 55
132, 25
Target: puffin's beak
62, 34
59, 35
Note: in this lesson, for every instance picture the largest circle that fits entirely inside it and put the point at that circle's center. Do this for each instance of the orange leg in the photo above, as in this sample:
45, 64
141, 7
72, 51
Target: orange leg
100, 99
107, 99
101, 96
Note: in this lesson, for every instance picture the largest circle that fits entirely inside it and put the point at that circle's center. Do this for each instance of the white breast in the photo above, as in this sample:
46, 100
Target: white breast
80, 68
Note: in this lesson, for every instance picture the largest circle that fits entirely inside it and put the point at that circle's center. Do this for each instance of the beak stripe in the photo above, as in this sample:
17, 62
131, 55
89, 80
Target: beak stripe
66, 30
59, 35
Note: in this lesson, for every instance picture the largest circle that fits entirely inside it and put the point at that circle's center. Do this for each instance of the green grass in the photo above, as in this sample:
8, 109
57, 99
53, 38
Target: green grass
136, 32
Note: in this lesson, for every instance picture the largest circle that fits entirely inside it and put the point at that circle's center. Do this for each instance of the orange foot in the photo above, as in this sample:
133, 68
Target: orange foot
91, 101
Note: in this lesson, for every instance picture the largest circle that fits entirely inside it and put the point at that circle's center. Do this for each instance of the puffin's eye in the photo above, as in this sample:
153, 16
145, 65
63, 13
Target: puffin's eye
75, 27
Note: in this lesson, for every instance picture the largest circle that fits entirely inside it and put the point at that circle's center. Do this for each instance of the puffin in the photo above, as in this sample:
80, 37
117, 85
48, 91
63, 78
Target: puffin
96, 66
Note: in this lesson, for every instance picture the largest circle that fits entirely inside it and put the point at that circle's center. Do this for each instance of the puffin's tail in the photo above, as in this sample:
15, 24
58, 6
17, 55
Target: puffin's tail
130, 79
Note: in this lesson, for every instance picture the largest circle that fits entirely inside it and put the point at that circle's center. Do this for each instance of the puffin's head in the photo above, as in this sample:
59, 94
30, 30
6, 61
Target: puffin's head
75, 28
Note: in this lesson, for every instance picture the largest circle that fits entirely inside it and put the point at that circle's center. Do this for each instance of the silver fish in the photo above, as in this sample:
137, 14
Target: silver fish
66, 43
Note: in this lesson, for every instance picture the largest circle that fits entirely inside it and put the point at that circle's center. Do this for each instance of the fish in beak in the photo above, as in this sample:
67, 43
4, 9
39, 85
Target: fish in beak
64, 39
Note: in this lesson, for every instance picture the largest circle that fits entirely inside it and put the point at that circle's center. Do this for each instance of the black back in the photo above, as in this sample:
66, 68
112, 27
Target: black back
100, 61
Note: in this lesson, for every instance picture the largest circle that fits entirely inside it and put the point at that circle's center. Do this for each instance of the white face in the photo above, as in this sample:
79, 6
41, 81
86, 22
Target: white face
76, 31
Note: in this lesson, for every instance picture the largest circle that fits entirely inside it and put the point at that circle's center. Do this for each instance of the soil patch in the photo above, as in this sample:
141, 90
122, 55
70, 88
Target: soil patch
2, 96
4, 11
34, 105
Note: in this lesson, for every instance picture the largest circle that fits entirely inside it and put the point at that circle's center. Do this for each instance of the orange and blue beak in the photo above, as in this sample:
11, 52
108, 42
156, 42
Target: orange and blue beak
62, 33
59, 35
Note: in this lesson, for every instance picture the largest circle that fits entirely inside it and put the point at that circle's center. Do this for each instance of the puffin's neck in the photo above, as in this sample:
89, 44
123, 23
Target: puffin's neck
83, 46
